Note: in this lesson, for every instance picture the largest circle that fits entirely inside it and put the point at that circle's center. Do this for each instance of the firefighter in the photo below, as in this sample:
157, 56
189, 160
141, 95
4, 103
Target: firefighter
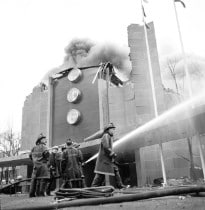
105, 162
59, 155
81, 164
71, 171
39, 155
53, 167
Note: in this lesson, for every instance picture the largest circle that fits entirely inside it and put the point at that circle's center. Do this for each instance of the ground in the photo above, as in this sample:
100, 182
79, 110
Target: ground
185, 202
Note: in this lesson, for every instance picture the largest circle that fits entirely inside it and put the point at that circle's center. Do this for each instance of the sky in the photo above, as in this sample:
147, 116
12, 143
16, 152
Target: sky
34, 34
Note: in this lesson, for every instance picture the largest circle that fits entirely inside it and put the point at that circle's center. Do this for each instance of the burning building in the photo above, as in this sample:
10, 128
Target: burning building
72, 106
68, 104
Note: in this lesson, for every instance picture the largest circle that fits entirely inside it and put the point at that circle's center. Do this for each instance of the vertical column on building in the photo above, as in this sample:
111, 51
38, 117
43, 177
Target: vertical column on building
103, 92
50, 112
141, 79
103, 103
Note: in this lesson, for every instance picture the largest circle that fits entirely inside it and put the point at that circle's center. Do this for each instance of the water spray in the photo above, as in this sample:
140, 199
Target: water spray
188, 79
200, 99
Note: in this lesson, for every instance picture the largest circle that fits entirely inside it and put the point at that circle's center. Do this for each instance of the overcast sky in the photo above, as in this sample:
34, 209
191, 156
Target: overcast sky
34, 34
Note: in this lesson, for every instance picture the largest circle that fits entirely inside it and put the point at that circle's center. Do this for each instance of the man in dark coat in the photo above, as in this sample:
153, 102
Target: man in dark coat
105, 162
71, 170
53, 167
39, 155
59, 155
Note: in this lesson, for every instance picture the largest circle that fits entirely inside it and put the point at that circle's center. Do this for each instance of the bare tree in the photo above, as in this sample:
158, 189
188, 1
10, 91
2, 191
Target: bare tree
10, 143
171, 63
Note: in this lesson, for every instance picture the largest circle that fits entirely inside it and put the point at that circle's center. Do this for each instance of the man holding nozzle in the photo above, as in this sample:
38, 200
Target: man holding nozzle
105, 162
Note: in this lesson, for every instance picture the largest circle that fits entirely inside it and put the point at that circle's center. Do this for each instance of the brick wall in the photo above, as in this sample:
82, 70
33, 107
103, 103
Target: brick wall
34, 117
140, 72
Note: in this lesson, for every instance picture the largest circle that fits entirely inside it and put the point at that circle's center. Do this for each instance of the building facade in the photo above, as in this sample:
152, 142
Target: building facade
72, 107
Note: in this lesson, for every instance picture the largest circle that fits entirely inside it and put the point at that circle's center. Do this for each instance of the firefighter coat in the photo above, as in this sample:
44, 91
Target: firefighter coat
71, 163
39, 155
53, 164
104, 164
59, 162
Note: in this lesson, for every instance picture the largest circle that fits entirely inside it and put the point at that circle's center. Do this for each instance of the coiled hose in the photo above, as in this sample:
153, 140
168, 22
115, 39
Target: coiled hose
89, 192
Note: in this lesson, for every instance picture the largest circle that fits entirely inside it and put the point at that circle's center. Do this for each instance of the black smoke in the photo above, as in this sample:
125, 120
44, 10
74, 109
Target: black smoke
85, 53
77, 49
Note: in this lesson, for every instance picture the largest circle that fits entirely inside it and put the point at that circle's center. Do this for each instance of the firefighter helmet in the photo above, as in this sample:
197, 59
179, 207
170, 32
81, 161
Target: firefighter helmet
41, 136
109, 126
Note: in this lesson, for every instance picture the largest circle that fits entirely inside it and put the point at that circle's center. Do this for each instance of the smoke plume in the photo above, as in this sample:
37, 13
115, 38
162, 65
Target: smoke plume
85, 53
76, 50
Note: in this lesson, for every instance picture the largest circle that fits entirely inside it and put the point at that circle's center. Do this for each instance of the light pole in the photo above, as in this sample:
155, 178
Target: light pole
153, 93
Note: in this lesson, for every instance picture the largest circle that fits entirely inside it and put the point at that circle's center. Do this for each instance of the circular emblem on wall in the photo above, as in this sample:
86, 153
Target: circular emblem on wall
73, 116
73, 95
74, 75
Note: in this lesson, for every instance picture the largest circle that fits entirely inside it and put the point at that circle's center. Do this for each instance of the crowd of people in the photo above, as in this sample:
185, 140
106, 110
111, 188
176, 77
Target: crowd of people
67, 161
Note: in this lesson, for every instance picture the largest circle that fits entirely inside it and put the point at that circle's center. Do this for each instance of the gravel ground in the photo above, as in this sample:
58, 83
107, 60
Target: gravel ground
187, 202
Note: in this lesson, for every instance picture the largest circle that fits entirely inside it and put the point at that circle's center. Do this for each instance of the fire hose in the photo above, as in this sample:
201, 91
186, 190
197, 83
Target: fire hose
119, 199
89, 192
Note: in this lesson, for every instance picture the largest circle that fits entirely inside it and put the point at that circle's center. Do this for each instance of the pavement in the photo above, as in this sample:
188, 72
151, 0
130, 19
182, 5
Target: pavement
185, 202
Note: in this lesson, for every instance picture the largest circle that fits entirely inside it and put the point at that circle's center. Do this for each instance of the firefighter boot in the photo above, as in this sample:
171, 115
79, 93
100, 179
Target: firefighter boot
42, 188
118, 179
48, 188
83, 185
38, 187
98, 180
32, 188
